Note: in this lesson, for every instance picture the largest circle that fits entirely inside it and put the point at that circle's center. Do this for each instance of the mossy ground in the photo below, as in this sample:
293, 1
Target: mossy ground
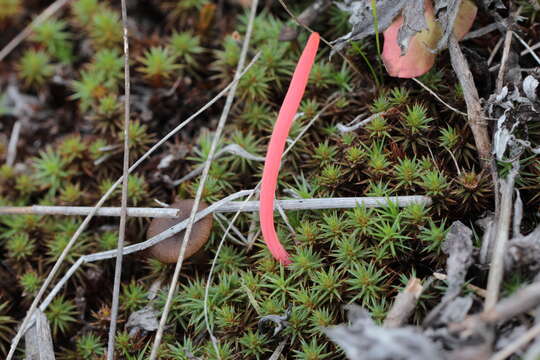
182, 54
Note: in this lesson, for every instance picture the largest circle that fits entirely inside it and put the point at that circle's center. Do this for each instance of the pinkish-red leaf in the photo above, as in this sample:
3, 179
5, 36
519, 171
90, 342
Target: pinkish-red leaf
419, 57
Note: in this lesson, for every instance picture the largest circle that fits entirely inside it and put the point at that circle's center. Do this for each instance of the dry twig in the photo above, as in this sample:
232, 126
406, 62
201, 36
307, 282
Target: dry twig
475, 118
527, 47
85, 210
404, 304
123, 201
504, 61
231, 206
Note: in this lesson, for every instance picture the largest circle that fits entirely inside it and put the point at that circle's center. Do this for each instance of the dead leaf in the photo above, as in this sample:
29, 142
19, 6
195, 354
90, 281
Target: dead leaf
458, 246
144, 319
362, 339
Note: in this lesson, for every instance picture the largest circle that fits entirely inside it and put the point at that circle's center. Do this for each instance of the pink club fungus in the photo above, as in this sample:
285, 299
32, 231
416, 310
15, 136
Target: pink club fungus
277, 145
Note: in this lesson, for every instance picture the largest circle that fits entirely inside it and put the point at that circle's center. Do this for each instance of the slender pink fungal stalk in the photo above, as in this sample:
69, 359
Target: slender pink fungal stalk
277, 145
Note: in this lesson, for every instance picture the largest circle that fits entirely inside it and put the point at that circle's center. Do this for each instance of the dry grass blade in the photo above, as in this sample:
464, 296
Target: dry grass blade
123, 209
438, 97
504, 60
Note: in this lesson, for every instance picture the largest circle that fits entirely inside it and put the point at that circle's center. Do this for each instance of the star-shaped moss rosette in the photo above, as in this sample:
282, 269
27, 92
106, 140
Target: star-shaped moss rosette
414, 30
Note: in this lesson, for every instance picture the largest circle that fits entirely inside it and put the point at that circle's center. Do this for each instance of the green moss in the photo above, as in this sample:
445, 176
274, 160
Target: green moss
50, 169
186, 47
53, 35
105, 29
158, 64
89, 346
10, 9
30, 282
6, 327
35, 68
133, 297
20, 246
61, 314
84, 10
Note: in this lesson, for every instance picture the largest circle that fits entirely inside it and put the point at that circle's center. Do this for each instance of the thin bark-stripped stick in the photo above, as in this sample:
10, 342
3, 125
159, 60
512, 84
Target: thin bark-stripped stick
85, 210
123, 201
521, 341
231, 206
529, 50
358, 122
476, 289
101, 201
504, 60
434, 94
285, 218
12, 146
222, 220
480, 32
204, 176
495, 51
47, 13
